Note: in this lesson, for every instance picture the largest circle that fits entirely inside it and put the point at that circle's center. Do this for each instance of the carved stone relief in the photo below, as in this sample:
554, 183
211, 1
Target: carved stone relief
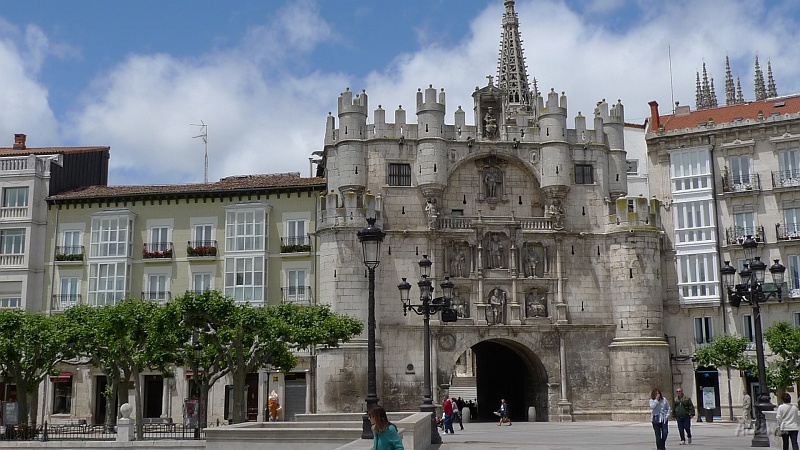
495, 313
535, 304
459, 263
460, 303
496, 254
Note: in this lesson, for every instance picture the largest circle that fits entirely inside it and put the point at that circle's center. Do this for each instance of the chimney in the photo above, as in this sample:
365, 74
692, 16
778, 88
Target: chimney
655, 124
19, 141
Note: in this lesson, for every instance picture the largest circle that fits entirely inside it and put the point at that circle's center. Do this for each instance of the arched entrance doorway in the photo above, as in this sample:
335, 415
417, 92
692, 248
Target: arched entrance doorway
509, 370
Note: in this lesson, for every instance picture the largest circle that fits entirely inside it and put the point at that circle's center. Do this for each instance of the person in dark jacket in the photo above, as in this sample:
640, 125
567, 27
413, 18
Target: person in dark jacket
683, 411
460, 404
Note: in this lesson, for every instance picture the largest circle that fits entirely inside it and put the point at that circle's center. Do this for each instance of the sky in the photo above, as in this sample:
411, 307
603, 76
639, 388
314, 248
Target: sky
263, 74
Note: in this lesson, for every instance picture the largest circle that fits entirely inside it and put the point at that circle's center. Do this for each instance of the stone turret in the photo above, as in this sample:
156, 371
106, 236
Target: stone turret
617, 163
348, 159
556, 158
431, 153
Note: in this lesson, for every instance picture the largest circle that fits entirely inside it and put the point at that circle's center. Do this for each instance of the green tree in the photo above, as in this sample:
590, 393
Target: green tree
784, 341
726, 351
31, 344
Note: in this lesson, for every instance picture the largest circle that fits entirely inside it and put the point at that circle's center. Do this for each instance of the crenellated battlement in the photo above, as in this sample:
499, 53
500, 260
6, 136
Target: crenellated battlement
349, 104
428, 102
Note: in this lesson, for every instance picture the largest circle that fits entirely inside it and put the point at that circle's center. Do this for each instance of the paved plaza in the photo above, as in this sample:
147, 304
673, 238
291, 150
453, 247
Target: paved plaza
588, 436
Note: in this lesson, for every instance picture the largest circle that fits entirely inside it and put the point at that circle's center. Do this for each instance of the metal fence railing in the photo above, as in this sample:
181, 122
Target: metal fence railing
84, 432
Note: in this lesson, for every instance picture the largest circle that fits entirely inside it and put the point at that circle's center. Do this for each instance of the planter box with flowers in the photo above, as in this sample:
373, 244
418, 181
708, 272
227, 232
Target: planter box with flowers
66, 257
157, 254
202, 250
295, 248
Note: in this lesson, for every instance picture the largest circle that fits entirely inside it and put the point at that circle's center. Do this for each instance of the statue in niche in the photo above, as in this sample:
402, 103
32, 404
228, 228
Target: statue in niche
531, 261
494, 315
457, 261
490, 123
534, 305
492, 179
495, 249
556, 213
431, 212
460, 304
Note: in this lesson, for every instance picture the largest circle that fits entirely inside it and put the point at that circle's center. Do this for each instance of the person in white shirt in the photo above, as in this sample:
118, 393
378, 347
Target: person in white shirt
660, 417
788, 420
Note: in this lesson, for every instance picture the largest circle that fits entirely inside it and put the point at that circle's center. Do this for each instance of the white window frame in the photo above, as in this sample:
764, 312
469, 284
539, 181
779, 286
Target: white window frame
110, 236
105, 287
206, 281
792, 276
244, 278
12, 241
739, 169
297, 289
68, 286
10, 302
296, 231
690, 170
633, 166
789, 163
203, 232
18, 200
158, 287
703, 330
745, 223
791, 222
245, 230
58, 384
697, 276
160, 236
694, 221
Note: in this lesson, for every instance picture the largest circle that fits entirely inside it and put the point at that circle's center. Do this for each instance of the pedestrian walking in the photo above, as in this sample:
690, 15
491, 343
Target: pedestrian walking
459, 411
447, 405
503, 413
660, 417
683, 411
747, 411
384, 433
788, 419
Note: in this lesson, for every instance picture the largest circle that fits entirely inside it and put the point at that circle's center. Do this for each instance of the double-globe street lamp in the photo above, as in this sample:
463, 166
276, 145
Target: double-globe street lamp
371, 238
426, 308
752, 290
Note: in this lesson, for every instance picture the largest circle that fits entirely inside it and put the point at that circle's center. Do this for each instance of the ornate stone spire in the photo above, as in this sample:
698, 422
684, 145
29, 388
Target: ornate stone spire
706, 90
730, 90
771, 90
739, 95
761, 91
698, 94
512, 76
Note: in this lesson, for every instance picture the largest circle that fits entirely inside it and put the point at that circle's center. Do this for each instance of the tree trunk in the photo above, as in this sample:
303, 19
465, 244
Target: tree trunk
203, 415
137, 397
22, 403
111, 410
239, 407
34, 405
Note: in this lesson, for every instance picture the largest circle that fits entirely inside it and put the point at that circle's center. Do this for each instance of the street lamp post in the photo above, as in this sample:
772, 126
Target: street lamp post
197, 349
752, 290
371, 238
427, 307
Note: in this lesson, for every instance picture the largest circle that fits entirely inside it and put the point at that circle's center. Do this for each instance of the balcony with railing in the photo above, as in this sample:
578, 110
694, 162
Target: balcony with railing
296, 244
741, 183
201, 249
62, 302
14, 212
297, 294
160, 297
736, 235
155, 251
12, 260
69, 254
787, 231
785, 179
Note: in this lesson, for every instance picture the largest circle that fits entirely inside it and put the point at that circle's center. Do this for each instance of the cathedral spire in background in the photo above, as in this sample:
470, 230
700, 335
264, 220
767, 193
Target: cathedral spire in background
758, 83
771, 90
512, 76
739, 94
730, 90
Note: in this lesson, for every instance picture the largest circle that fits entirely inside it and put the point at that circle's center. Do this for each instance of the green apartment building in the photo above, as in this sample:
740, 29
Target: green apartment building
249, 237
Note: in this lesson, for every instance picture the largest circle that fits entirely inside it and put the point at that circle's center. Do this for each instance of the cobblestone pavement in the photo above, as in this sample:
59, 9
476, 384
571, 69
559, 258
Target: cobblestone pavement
589, 436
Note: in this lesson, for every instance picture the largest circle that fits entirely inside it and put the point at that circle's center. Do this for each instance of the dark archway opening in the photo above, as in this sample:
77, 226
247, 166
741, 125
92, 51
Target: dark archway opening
507, 370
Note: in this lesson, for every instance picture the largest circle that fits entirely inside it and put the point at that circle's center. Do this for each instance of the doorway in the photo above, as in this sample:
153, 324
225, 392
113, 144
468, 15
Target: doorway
153, 391
509, 370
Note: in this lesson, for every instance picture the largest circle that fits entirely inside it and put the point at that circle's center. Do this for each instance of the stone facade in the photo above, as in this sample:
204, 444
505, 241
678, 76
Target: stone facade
554, 269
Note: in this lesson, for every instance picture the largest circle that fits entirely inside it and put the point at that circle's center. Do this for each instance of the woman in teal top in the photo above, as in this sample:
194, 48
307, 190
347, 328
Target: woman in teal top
384, 433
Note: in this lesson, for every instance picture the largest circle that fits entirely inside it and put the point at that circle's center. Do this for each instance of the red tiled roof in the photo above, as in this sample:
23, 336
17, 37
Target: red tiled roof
726, 114
7, 151
229, 184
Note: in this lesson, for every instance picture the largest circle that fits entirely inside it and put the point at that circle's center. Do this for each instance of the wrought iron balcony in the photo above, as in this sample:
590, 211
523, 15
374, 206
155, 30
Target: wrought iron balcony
296, 294
295, 244
201, 249
785, 178
741, 183
736, 235
157, 250
160, 297
787, 231
62, 302
70, 253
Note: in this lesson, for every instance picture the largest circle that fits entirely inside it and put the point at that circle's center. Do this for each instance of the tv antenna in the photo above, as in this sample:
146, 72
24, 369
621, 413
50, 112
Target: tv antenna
203, 134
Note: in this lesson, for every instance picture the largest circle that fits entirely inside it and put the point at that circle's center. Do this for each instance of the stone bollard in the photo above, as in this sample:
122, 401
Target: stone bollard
531, 414
125, 425
465, 415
